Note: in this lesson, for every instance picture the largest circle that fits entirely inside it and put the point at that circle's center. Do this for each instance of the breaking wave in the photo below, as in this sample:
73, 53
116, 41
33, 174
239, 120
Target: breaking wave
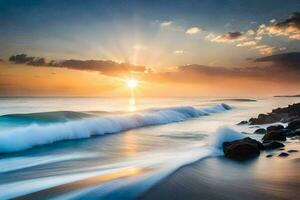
82, 126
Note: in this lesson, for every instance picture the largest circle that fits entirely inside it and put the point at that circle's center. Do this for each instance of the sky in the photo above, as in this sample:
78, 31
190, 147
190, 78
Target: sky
173, 48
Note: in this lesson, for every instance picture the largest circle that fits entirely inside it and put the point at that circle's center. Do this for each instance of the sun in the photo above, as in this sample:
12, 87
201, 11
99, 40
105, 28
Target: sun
132, 83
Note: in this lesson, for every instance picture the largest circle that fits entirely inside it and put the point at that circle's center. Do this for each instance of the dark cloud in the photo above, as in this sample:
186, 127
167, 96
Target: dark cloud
289, 27
290, 60
227, 37
21, 59
232, 35
106, 67
218, 71
286, 68
292, 21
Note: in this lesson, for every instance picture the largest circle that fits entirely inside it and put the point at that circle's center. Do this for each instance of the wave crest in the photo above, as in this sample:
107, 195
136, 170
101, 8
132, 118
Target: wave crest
23, 138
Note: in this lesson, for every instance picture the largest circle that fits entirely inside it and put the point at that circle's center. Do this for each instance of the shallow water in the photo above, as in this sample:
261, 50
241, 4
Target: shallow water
115, 148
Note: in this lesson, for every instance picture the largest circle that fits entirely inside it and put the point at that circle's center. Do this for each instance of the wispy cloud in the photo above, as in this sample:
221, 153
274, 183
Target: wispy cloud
106, 67
193, 30
247, 43
283, 67
267, 49
227, 37
166, 23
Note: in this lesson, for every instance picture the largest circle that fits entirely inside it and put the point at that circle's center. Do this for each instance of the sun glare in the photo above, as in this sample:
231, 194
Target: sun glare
132, 83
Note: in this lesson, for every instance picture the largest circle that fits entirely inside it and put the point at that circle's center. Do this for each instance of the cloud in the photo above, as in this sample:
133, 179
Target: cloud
211, 75
289, 27
193, 30
284, 67
265, 49
21, 59
227, 37
250, 32
290, 60
166, 23
178, 52
170, 25
247, 43
106, 67
24, 59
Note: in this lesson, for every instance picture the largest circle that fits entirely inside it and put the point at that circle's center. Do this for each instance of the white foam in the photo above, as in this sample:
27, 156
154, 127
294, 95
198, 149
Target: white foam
160, 165
17, 163
27, 137
132, 187
224, 134
157, 165
33, 185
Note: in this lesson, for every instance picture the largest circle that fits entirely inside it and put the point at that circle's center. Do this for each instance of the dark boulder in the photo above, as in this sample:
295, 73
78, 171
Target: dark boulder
283, 154
273, 145
292, 151
287, 132
269, 156
274, 135
274, 128
260, 131
294, 125
242, 149
297, 132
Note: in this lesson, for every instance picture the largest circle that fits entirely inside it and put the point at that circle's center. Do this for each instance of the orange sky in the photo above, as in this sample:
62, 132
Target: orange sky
173, 48
21, 80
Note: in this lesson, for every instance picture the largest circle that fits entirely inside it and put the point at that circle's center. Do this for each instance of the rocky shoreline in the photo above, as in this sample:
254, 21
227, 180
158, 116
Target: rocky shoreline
274, 136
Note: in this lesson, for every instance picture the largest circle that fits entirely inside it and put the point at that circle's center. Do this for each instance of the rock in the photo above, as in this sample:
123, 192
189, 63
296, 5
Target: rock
269, 156
242, 123
282, 149
292, 151
260, 131
274, 135
242, 149
264, 119
285, 115
273, 145
294, 125
287, 132
283, 154
274, 128
297, 131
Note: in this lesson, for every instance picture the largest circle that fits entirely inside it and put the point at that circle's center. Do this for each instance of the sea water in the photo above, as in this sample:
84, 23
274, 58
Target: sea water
112, 148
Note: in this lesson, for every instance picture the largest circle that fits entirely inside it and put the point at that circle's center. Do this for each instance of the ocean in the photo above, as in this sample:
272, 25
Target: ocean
112, 148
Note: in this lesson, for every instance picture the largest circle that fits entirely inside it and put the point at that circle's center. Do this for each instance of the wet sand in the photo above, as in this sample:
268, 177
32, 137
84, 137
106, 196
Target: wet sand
85, 183
220, 178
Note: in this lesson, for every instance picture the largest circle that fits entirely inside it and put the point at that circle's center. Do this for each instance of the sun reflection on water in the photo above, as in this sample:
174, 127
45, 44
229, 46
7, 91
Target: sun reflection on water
132, 104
